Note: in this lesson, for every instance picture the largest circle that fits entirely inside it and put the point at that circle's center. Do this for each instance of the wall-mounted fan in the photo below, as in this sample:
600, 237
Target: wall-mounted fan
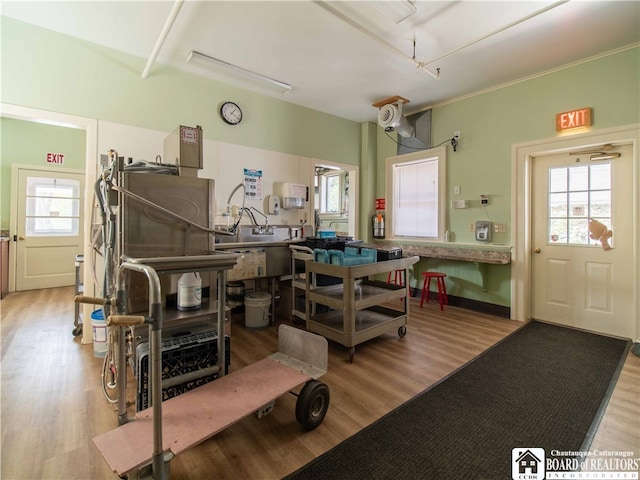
390, 116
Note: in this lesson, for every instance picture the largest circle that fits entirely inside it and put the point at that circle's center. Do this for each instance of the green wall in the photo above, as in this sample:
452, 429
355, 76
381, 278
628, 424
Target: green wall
28, 143
492, 122
50, 71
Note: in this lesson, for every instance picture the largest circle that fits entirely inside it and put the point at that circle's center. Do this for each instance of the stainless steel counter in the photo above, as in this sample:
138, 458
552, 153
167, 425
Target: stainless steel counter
279, 243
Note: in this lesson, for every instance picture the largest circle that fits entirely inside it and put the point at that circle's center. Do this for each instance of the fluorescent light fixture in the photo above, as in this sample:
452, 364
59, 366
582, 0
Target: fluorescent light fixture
237, 73
605, 156
396, 10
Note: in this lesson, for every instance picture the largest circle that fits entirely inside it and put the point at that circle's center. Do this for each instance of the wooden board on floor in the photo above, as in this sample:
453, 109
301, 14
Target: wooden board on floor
197, 415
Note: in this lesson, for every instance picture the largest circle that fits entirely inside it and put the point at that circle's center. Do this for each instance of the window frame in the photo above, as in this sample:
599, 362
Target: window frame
440, 154
323, 192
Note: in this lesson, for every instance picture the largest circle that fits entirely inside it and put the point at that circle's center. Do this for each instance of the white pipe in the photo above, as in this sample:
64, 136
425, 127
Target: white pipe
422, 65
371, 35
495, 32
163, 36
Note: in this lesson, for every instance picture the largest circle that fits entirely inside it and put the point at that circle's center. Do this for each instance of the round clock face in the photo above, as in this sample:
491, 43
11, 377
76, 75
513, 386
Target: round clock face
231, 113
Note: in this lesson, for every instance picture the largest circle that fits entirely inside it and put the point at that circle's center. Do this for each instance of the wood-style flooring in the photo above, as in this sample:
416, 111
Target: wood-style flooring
52, 401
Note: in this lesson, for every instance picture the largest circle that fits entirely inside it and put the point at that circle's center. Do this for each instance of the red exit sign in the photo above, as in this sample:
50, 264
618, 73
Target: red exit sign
55, 158
573, 119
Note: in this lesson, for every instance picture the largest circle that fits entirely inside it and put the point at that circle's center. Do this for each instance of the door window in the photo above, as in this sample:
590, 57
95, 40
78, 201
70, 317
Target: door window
576, 194
53, 207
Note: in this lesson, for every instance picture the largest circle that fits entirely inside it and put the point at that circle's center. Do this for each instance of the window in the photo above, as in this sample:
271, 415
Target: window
416, 193
53, 207
576, 194
332, 193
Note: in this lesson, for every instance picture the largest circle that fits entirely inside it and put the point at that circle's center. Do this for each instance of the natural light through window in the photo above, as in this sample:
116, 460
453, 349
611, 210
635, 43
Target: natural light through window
417, 194
53, 207
576, 194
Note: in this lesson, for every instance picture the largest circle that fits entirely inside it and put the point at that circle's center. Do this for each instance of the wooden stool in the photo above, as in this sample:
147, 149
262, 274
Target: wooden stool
398, 277
442, 289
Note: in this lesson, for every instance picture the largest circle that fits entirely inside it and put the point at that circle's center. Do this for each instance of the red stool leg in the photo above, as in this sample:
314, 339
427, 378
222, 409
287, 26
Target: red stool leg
442, 292
426, 286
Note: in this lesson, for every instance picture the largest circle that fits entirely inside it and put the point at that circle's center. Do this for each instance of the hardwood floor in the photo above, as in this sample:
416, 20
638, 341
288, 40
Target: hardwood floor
52, 403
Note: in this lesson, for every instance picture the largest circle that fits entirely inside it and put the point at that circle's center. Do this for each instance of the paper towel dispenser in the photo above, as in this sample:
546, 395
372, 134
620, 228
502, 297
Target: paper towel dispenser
292, 195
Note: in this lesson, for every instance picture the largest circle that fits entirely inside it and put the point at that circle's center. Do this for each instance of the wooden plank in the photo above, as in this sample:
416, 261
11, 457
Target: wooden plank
386, 101
197, 415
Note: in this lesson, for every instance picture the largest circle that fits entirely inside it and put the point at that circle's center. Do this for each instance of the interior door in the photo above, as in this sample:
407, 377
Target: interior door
49, 228
576, 282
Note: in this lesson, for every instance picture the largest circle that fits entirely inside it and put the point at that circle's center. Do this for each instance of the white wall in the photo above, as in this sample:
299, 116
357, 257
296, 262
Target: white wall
223, 162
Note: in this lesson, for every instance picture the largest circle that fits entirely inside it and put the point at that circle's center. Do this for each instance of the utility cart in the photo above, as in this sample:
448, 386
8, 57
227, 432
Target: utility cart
144, 447
356, 313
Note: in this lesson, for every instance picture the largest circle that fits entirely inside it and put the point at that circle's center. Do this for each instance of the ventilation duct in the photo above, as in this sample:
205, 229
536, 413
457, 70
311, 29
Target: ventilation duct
421, 139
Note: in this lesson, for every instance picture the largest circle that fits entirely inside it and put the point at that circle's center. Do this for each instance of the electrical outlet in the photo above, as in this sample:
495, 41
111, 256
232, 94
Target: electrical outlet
499, 227
456, 190
472, 227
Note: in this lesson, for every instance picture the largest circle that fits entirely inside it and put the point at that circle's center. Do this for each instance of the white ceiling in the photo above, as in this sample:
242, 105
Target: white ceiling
340, 57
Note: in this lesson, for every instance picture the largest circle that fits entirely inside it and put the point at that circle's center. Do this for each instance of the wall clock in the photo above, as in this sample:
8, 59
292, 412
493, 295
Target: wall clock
231, 113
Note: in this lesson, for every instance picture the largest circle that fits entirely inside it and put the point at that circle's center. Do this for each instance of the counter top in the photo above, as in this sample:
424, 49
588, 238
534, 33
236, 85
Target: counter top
493, 254
236, 245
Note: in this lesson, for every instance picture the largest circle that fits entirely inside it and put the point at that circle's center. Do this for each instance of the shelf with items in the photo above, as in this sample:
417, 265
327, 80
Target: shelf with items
353, 310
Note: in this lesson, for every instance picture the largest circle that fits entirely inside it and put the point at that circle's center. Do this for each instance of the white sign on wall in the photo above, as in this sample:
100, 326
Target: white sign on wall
253, 183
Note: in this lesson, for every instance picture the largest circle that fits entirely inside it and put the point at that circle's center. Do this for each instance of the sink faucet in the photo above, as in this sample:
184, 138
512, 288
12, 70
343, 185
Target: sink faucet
261, 229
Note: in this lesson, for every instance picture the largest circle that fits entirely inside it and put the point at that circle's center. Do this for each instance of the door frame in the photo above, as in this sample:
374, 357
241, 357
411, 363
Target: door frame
522, 155
13, 209
354, 191
90, 126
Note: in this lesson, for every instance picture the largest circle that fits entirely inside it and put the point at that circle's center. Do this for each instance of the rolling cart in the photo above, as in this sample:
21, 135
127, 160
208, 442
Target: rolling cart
299, 254
145, 446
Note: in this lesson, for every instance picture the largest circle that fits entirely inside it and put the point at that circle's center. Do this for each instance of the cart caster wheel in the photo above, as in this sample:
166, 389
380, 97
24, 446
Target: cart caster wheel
77, 331
312, 404
402, 331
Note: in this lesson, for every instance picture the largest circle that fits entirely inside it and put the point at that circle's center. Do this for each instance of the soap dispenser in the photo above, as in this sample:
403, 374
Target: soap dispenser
273, 207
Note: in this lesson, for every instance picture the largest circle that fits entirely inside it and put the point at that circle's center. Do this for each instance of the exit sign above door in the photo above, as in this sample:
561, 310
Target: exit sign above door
573, 119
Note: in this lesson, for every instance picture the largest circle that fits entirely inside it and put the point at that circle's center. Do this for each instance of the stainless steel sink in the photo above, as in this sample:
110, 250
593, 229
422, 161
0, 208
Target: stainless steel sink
250, 234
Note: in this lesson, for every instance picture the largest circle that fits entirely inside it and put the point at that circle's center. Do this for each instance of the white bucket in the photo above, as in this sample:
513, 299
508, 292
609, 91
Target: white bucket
256, 312
99, 326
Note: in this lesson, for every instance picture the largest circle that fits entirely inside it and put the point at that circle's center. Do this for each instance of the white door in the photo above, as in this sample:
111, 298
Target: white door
49, 228
576, 282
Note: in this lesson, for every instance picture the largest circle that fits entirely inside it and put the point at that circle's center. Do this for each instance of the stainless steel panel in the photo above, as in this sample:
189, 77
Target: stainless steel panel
278, 261
147, 232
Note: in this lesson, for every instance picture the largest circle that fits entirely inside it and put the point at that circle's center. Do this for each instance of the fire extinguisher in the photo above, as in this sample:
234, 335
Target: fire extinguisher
378, 225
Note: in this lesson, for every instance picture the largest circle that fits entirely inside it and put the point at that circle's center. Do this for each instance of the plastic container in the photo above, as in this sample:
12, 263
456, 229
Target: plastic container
189, 291
256, 311
99, 326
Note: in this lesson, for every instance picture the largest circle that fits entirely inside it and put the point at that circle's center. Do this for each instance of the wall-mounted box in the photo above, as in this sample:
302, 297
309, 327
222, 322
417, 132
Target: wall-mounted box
292, 195
483, 231
183, 147
460, 203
